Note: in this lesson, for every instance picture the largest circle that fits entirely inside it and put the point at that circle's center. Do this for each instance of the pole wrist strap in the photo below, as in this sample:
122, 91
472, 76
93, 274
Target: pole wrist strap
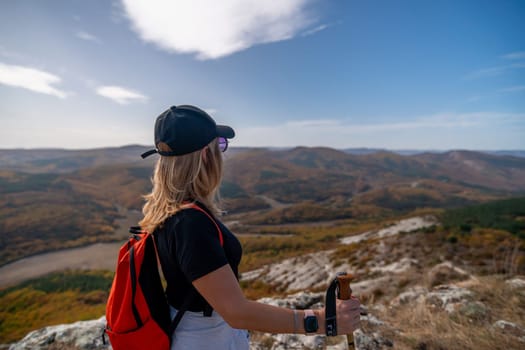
330, 309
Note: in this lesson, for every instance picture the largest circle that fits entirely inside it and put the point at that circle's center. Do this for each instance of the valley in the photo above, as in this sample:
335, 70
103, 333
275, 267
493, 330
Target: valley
416, 229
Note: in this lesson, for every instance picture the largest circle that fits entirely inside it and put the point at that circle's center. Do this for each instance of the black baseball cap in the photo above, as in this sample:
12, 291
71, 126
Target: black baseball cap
186, 129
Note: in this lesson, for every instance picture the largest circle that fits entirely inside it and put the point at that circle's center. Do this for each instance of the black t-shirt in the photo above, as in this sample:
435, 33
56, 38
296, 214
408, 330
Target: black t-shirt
189, 248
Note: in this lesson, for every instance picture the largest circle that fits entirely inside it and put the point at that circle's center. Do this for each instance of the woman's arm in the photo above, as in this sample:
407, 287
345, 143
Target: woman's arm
222, 291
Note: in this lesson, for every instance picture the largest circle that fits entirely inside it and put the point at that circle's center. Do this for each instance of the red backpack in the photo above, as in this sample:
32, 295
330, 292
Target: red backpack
137, 312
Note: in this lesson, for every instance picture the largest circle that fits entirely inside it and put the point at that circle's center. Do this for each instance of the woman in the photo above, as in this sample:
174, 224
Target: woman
199, 255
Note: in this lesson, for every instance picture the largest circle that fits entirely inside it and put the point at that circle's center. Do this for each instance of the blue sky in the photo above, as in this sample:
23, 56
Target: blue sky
394, 74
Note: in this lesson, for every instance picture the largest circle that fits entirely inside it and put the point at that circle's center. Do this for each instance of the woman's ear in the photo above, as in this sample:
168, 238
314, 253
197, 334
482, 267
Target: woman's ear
204, 154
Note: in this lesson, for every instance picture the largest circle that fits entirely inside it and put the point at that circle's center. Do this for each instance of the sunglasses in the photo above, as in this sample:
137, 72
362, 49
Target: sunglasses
223, 144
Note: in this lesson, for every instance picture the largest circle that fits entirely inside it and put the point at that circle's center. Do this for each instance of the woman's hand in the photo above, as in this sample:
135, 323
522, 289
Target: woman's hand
348, 315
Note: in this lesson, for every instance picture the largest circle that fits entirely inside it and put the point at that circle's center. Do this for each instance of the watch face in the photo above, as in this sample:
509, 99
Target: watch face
310, 324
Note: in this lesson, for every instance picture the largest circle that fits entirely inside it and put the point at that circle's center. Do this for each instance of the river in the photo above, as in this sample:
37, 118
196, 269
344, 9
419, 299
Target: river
95, 256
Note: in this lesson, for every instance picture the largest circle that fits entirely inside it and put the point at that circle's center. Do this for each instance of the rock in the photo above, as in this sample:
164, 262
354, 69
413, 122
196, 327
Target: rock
299, 273
302, 300
406, 225
448, 297
373, 341
446, 272
475, 310
396, 267
372, 320
82, 335
413, 294
510, 328
368, 286
516, 283
297, 341
251, 275
340, 346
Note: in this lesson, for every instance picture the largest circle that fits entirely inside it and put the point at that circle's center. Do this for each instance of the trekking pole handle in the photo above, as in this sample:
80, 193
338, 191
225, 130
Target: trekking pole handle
345, 293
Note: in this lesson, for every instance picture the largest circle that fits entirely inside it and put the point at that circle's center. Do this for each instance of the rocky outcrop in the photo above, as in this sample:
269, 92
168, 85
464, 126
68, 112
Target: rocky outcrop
315, 270
82, 335
406, 225
448, 297
516, 283
511, 329
300, 273
371, 341
87, 335
375, 333
443, 289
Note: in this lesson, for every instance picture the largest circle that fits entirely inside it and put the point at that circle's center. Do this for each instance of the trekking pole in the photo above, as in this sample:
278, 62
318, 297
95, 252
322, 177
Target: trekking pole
339, 288
345, 292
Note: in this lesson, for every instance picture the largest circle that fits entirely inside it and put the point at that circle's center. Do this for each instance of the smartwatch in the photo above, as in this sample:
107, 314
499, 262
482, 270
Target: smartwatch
310, 322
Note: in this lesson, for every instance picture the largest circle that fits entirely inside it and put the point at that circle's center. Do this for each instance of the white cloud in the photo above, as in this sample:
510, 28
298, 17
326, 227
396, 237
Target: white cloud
120, 94
494, 71
514, 89
487, 72
497, 93
315, 30
213, 29
30, 78
515, 55
88, 37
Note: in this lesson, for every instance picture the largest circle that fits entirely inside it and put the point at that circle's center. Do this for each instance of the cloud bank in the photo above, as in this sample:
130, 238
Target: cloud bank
31, 79
212, 29
120, 94
438, 131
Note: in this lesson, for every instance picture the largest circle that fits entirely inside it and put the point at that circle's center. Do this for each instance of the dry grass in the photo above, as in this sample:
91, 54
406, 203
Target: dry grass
420, 325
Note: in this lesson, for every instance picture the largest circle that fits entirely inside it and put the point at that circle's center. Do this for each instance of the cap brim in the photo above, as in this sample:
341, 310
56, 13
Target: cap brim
225, 131
149, 153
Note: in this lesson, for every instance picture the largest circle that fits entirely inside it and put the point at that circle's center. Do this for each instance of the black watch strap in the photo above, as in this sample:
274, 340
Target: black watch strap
311, 324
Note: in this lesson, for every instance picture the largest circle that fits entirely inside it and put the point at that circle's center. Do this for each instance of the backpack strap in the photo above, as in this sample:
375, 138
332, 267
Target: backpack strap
189, 299
195, 206
176, 320
208, 310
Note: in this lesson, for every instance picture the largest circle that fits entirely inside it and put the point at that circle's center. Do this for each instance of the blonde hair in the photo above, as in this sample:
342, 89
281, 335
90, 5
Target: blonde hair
179, 180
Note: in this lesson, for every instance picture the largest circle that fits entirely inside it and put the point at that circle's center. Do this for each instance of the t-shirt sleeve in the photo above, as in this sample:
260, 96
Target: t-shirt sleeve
198, 248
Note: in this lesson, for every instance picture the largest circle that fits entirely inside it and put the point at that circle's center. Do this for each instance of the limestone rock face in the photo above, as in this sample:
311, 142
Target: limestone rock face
443, 288
448, 297
82, 335
87, 335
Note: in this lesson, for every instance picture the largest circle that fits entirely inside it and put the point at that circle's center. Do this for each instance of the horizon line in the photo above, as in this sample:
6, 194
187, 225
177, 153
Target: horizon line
277, 148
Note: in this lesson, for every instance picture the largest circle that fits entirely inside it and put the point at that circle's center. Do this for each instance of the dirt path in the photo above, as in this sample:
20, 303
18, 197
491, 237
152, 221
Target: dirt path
95, 256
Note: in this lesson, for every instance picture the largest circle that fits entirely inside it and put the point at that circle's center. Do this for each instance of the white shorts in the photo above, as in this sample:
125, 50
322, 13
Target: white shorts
196, 332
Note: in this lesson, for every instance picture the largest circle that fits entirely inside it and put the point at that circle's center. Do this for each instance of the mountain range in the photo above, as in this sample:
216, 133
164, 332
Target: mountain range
52, 199
434, 269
